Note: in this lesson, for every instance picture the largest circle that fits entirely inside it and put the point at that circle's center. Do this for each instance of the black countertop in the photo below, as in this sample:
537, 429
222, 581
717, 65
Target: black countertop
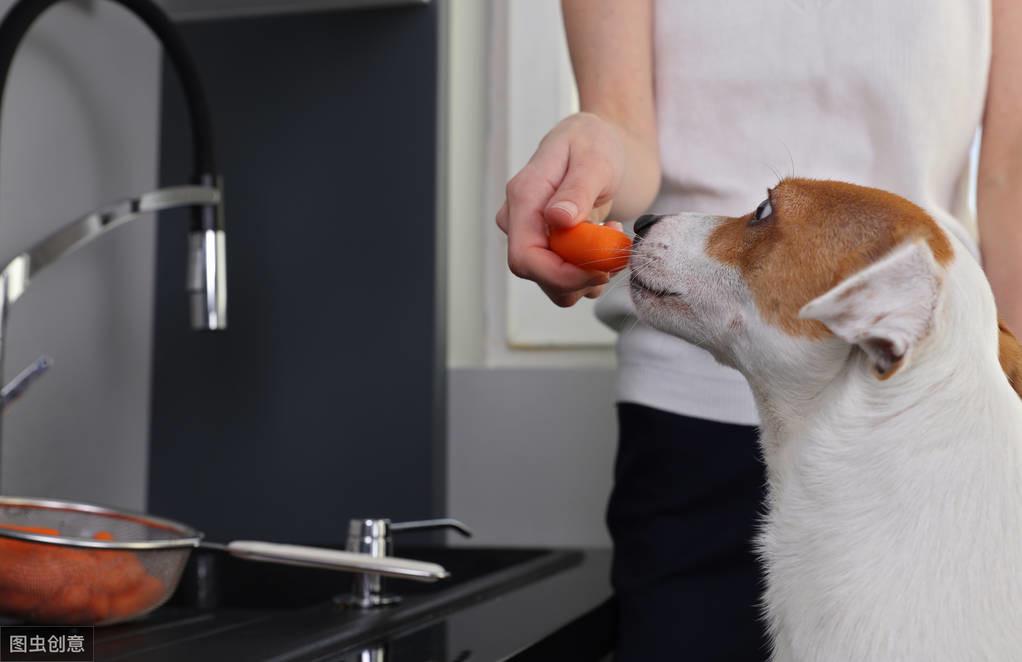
547, 607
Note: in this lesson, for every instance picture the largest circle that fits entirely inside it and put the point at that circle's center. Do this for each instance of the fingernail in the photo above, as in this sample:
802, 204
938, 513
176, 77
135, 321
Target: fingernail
568, 207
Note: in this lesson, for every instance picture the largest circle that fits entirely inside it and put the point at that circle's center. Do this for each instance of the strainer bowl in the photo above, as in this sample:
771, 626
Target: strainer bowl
82, 564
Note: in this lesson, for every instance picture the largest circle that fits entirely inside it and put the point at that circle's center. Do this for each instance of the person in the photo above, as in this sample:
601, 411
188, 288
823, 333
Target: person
690, 106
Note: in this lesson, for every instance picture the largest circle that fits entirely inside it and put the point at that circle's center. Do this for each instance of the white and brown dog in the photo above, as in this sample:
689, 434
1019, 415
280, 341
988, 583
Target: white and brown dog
890, 423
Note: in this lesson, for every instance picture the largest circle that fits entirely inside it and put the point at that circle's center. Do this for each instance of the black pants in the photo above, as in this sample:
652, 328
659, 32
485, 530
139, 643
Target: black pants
687, 496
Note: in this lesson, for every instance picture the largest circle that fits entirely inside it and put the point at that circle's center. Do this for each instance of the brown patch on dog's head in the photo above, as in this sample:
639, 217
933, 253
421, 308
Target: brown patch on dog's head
1010, 354
818, 234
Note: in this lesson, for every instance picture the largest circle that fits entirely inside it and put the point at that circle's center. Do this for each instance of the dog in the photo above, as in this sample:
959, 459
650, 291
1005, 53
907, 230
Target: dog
891, 422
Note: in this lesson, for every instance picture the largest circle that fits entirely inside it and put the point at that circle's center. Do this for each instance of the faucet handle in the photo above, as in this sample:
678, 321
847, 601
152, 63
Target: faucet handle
374, 537
432, 524
17, 386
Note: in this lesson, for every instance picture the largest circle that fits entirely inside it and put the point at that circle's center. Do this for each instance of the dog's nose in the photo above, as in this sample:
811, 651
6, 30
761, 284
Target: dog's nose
644, 223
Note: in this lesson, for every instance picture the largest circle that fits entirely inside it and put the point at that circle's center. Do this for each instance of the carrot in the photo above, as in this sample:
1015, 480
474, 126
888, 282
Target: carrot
123, 587
142, 598
592, 247
48, 584
99, 608
38, 530
119, 572
18, 603
30, 568
70, 605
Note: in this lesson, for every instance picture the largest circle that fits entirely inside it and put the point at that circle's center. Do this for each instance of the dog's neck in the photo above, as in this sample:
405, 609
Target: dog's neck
843, 404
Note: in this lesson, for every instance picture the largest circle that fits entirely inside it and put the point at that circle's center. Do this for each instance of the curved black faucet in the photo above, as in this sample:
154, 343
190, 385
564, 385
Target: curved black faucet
23, 15
206, 268
207, 284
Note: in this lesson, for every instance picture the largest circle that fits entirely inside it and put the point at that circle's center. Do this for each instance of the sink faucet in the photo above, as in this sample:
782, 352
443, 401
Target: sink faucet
207, 275
375, 537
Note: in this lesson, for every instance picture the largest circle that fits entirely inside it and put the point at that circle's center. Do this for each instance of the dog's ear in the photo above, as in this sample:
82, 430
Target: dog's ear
886, 308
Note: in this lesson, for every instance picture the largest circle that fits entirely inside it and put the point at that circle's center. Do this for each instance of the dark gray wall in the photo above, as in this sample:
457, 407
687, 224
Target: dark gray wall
321, 401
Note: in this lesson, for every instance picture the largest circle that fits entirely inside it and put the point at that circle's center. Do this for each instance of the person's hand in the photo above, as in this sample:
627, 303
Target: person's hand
572, 177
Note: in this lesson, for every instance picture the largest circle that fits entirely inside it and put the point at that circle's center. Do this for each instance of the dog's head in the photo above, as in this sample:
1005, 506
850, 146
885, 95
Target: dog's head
819, 270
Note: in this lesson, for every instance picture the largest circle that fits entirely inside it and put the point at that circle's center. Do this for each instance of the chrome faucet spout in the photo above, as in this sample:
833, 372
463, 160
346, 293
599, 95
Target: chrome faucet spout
207, 268
207, 263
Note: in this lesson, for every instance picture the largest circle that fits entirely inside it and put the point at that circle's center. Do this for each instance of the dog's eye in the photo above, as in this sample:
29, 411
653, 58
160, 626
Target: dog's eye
762, 213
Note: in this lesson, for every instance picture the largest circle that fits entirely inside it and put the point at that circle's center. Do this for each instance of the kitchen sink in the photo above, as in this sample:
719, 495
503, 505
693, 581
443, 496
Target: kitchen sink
227, 608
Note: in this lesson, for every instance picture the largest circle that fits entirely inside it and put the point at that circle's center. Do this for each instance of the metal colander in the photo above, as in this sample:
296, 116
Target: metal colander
105, 566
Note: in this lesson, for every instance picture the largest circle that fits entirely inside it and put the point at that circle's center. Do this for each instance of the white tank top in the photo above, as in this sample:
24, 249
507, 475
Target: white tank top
885, 93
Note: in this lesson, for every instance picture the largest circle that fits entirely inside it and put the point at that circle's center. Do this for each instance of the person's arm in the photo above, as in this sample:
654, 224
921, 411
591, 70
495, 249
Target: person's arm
999, 183
611, 46
602, 160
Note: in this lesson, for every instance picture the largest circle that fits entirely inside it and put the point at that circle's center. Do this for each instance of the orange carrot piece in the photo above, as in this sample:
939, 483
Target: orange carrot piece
99, 608
19, 603
144, 597
69, 606
592, 247
38, 530
48, 584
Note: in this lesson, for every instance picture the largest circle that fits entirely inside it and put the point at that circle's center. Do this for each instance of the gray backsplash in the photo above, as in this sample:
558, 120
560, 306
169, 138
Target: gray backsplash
531, 454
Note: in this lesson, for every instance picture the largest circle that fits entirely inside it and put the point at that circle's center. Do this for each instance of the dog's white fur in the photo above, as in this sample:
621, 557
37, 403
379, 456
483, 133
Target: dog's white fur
894, 525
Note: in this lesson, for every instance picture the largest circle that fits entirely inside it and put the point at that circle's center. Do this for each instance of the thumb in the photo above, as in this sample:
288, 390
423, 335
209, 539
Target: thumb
574, 200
